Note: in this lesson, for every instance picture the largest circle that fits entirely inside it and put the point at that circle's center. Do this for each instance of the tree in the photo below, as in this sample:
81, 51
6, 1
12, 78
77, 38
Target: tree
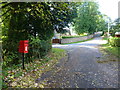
101, 23
115, 27
89, 18
33, 21
35, 16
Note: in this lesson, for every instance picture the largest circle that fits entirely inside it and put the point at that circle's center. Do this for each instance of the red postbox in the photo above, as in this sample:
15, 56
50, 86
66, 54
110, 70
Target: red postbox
23, 46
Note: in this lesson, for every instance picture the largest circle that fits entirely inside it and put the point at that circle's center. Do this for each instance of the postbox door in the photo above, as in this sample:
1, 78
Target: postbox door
23, 46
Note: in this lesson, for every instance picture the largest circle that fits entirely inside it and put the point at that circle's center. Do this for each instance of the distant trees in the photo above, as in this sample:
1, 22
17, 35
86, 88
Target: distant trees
89, 18
115, 27
101, 23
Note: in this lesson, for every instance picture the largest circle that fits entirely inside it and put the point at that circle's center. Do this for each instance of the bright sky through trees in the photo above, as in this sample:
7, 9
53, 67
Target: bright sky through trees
109, 7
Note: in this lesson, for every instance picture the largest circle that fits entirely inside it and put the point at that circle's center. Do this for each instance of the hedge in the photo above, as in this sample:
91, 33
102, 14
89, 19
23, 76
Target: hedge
114, 41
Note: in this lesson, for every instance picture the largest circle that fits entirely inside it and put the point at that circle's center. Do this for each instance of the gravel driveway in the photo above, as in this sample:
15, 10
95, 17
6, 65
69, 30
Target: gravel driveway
82, 67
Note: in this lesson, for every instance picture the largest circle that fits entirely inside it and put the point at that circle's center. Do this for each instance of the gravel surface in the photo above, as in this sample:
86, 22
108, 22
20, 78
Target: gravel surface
84, 67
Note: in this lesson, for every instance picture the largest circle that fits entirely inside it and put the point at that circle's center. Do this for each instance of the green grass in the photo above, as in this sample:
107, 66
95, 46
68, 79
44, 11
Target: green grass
63, 37
114, 50
57, 51
16, 76
105, 38
77, 42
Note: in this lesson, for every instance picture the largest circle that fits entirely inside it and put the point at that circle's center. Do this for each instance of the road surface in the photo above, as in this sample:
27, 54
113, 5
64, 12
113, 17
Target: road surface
82, 67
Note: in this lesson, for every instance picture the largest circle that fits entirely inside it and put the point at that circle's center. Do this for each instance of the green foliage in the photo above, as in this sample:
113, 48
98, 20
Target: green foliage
36, 15
115, 27
101, 23
33, 21
10, 52
38, 48
89, 19
114, 41
112, 49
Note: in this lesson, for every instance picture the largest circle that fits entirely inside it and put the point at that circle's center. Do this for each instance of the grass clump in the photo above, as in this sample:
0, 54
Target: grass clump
114, 41
112, 46
114, 50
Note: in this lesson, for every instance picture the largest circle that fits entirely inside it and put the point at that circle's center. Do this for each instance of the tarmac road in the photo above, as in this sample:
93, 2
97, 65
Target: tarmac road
82, 67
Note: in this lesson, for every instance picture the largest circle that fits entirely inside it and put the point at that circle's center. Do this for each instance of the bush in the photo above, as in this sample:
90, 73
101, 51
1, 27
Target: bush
37, 49
10, 52
114, 41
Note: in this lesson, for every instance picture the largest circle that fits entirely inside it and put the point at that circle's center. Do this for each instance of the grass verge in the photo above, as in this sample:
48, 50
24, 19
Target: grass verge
113, 50
15, 77
76, 42
63, 37
105, 38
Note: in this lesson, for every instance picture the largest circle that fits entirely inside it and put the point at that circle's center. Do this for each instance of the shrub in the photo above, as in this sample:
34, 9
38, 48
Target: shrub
114, 41
37, 49
10, 52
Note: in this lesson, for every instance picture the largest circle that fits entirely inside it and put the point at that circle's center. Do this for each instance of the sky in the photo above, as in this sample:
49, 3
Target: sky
109, 7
